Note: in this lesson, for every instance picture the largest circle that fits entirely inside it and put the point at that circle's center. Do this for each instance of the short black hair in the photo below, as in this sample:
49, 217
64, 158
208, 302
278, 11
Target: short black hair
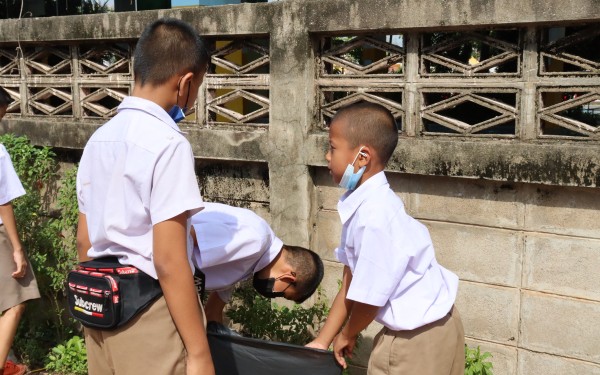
309, 270
5, 99
370, 124
168, 47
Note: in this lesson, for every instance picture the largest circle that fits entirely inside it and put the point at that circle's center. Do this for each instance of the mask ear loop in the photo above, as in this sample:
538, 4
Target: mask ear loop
188, 95
289, 284
178, 84
359, 153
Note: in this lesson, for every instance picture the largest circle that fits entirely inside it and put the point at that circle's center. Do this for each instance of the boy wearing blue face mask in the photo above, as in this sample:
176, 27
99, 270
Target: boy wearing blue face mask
390, 271
137, 189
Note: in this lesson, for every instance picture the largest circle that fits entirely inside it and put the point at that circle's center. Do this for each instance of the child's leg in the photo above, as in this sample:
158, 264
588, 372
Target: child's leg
9, 321
435, 349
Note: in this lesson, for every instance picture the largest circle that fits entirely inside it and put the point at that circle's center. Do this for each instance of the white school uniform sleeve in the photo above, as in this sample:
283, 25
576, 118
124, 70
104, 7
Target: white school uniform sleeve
225, 295
379, 267
174, 185
10, 185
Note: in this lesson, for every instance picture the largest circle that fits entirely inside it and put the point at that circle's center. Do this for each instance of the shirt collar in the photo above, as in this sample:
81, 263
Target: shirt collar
352, 199
151, 108
269, 255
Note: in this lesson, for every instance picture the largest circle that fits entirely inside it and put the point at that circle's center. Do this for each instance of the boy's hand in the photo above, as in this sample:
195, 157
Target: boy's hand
316, 345
21, 263
343, 346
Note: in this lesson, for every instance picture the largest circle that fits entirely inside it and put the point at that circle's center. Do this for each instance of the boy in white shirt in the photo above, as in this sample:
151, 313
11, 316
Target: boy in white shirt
390, 271
137, 190
232, 244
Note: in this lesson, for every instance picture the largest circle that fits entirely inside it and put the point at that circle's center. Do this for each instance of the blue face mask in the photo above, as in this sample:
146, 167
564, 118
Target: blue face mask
177, 113
350, 179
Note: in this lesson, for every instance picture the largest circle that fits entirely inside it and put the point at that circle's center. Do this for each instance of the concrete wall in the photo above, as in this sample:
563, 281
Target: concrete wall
514, 213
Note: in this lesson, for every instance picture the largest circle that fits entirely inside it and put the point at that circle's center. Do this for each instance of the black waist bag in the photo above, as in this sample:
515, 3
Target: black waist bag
105, 294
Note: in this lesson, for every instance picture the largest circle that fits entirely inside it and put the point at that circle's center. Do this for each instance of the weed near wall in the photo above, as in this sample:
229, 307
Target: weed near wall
46, 219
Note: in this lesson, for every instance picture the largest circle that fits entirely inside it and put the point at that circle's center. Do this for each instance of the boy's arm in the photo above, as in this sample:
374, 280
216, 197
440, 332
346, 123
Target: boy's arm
214, 308
360, 317
83, 239
177, 283
340, 309
8, 219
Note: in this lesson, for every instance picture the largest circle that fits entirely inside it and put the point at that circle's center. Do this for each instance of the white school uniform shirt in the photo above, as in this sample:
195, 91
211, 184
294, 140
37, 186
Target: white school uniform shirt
136, 170
233, 244
392, 259
10, 185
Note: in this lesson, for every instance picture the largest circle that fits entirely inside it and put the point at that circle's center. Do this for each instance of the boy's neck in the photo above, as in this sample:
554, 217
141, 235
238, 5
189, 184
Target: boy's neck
156, 94
276, 267
369, 172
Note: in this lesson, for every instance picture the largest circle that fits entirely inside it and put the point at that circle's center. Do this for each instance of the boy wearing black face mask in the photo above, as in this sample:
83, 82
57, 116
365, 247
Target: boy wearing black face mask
137, 189
232, 244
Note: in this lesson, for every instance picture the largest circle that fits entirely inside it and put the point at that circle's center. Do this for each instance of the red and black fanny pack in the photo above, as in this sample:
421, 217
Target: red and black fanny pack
104, 294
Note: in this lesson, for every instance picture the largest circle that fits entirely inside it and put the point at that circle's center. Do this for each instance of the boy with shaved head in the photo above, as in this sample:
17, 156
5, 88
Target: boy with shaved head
390, 271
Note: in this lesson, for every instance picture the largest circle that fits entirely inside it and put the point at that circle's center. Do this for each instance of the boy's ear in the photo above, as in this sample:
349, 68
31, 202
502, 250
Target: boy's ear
364, 156
183, 83
289, 278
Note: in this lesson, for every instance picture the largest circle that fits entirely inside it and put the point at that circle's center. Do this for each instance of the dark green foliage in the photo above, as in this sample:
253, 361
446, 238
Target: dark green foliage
260, 318
69, 358
476, 363
46, 220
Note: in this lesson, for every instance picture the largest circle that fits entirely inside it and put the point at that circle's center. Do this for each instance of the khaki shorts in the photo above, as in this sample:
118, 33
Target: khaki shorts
437, 348
14, 291
149, 345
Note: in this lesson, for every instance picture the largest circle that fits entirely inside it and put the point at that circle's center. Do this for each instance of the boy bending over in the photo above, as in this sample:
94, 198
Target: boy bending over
390, 271
232, 244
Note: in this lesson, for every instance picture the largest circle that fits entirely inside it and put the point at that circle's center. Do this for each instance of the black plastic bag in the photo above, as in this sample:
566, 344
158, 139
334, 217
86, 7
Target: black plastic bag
233, 354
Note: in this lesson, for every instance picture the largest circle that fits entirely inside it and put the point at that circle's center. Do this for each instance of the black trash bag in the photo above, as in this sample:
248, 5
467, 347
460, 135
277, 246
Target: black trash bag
233, 354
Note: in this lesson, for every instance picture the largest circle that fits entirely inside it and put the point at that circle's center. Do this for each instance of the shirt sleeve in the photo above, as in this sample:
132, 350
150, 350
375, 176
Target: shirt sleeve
79, 185
225, 295
10, 185
174, 186
380, 265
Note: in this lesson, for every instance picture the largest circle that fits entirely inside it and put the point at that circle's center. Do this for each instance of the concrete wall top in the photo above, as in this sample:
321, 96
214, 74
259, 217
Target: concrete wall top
312, 15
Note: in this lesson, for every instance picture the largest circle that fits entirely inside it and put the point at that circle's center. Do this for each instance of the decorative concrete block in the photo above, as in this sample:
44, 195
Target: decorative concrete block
228, 183
539, 363
458, 200
489, 312
563, 210
562, 265
330, 284
328, 193
563, 326
479, 254
327, 233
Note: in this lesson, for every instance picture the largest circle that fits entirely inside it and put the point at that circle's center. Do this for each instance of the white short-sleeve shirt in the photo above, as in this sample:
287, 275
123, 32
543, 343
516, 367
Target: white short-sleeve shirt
136, 170
392, 259
10, 185
233, 244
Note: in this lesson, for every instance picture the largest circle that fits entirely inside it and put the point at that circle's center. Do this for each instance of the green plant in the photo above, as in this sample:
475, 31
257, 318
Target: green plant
68, 358
476, 363
46, 225
260, 318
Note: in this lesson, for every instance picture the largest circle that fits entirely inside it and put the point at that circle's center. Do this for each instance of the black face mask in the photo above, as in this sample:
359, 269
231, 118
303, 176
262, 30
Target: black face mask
264, 287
